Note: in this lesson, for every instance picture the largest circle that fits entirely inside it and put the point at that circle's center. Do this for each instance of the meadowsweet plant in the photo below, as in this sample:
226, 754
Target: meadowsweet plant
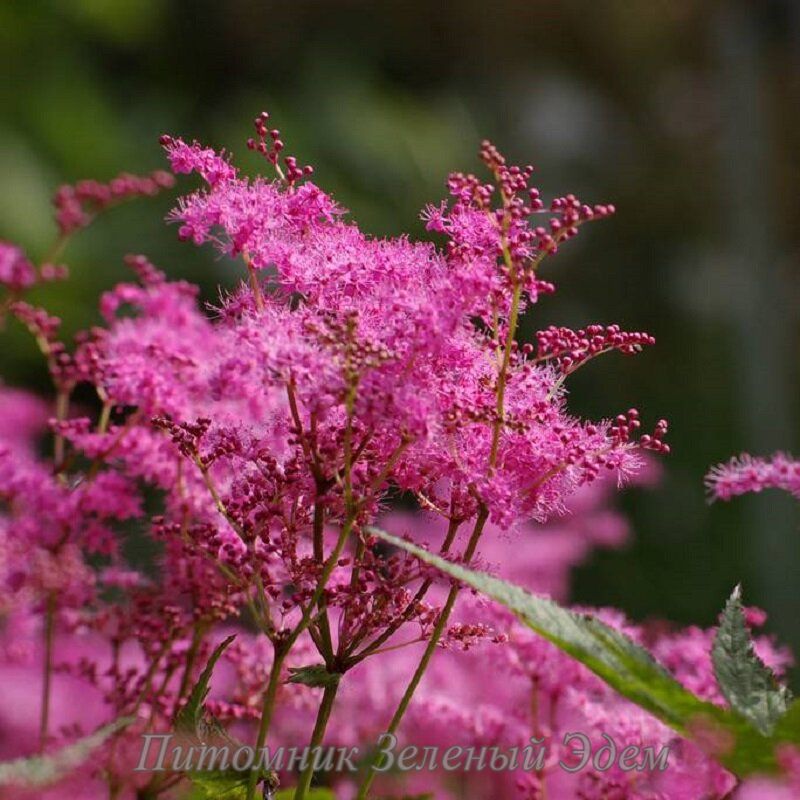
260, 445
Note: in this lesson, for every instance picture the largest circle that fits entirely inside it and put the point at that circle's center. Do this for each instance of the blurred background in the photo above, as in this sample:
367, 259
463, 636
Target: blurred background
684, 113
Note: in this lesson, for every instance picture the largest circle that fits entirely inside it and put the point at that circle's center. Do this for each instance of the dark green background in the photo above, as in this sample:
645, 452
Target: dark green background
683, 113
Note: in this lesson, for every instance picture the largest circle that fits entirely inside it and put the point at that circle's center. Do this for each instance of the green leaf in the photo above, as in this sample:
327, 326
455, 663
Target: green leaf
611, 655
209, 786
788, 727
748, 684
227, 784
318, 793
634, 673
191, 718
316, 675
47, 769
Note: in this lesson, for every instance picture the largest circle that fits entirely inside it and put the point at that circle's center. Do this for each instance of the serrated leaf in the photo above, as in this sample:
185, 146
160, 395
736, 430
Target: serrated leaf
621, 663
315, 675
47, 769
631, 671
747, 683
191, 718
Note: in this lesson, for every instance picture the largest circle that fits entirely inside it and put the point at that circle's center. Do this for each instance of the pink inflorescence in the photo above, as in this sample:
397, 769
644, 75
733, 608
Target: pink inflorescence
569, 349
747, 473
17, 273
268, 142
76, 206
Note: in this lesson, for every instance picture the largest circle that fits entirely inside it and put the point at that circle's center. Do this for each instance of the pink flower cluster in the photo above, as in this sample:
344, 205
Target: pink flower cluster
250, 444
747, 474
77, 205
570, 349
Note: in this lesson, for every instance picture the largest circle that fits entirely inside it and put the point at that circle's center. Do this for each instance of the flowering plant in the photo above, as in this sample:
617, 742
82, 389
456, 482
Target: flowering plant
260, 445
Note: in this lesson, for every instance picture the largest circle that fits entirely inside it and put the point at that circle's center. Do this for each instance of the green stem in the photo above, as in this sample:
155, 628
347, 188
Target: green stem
502, 378
286, 645
105, 416
267, 710
56, 250
255, 286
62, 410
319, 555
323, 715
430, 649
215, 496
191, 657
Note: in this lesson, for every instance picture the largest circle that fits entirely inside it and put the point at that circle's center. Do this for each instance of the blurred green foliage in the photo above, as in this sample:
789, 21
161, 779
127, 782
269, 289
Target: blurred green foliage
679, 112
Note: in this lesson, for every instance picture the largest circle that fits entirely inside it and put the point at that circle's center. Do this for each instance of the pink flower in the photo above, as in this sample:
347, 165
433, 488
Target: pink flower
16, 271
750, 474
